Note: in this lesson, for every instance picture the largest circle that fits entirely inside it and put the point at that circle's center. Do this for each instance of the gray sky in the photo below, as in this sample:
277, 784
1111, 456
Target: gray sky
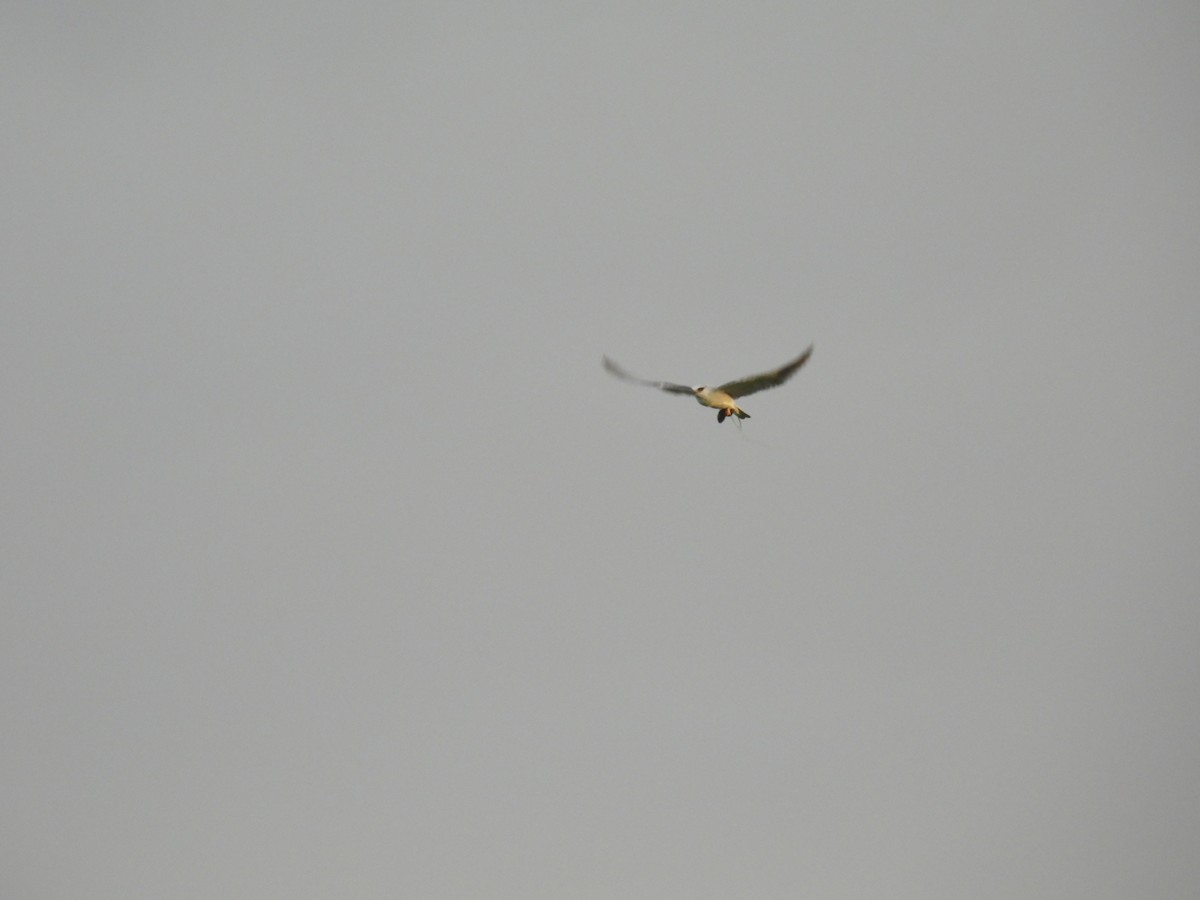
334, 565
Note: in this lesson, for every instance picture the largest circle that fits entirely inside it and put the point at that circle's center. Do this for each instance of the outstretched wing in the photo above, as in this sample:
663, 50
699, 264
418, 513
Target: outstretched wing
661, 385
755, 383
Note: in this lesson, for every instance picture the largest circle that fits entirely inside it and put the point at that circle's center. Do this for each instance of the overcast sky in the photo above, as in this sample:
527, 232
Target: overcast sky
334, 564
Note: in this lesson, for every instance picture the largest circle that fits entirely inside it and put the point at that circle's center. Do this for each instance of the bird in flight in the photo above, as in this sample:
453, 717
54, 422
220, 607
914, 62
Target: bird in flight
722, 398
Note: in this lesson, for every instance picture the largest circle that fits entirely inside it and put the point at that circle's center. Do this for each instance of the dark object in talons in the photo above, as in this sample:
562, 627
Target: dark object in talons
721, 416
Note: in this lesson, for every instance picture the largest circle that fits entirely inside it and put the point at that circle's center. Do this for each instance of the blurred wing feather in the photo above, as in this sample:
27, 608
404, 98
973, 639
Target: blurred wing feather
774, 378
613, 368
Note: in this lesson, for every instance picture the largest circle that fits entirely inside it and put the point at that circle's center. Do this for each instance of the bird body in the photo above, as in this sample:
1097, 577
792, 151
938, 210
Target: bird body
722, 398
715, 398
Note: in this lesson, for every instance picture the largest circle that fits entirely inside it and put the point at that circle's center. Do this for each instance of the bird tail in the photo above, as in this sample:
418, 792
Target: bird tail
740, 414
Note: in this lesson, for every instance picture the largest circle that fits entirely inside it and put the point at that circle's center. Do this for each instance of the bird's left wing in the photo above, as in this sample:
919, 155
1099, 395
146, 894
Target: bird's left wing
661, 385
755, 383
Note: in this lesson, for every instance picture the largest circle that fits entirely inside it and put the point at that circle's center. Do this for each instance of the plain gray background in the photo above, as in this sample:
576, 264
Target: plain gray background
334, 565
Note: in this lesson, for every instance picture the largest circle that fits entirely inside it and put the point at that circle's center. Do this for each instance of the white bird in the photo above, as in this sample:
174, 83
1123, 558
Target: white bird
723, 397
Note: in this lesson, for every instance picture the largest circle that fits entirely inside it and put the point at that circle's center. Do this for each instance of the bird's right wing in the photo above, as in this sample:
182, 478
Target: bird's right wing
661, 385
755, 383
